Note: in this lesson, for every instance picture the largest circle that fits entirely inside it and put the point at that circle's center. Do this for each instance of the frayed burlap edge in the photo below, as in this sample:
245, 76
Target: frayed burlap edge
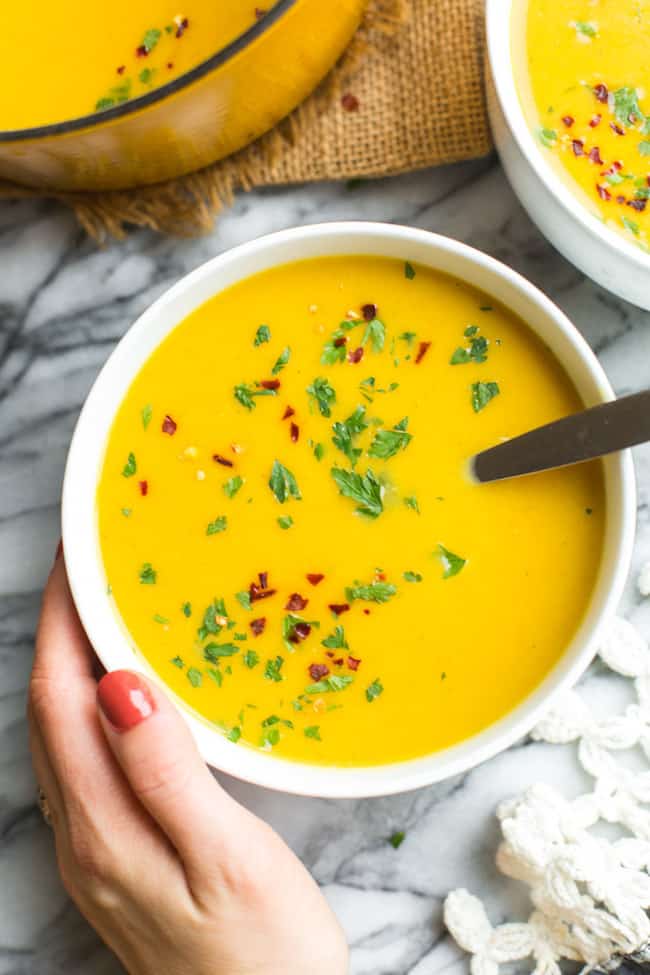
188, 205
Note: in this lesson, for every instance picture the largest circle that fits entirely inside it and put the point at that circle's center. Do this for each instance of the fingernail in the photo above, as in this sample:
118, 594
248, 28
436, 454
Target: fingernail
125, 699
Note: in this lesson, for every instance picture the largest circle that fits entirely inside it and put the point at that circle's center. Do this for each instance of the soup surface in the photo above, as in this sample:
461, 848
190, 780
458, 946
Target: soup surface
287, 526
68, 59
590, 77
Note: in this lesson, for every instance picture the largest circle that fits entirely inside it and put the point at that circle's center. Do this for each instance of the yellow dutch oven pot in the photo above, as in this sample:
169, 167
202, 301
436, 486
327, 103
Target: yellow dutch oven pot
207, 113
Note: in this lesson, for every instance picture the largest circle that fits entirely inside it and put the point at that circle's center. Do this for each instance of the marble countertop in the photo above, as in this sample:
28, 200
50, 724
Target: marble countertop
63, 306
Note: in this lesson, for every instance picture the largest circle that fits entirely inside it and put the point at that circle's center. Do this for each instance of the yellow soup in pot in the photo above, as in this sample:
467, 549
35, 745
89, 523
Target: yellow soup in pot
71, 58
289, 533
589, 72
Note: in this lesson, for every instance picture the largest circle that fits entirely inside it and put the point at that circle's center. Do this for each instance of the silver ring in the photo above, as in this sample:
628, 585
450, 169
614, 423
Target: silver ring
44, 806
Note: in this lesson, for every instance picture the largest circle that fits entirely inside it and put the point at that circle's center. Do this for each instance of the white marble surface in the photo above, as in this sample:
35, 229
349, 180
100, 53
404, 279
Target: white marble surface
63, 305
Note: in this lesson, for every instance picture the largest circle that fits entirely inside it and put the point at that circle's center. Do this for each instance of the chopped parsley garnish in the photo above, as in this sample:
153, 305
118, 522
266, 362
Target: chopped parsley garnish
239, 636
160, 619
244, 394
452, 564
319, 451
482, 393
273, 668
274, 719
412, 576
146, 75
127, 512
334, 682
281, 361
336, 640
283, 484
586, 28
344, 433
234, 734
626, 106
365, 489
214, 619
146, 414
476, 352
397, 839
218, 525
323, 394
374, 690
548, 137
178, 662
263, 334
313, 731
213, 651
295, 629
373, 592
631, 225
250, 659
409, 271
271, 737
408, 337
195, 677
387, 443
244, 599
232, 485
148, 575
644, 148
150, 39
187, 609
285, 521
215, 675
376, 333
412, 503
130, 467
334, 349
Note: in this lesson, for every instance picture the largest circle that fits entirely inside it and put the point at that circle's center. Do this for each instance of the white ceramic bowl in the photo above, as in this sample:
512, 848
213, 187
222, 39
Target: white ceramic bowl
601, 253
80, 537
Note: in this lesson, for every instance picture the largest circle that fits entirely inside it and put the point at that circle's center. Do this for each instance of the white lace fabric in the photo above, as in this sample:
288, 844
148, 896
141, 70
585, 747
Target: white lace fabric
589, 894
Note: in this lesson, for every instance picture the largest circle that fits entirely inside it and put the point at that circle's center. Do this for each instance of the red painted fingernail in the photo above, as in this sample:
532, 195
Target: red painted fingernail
125, 699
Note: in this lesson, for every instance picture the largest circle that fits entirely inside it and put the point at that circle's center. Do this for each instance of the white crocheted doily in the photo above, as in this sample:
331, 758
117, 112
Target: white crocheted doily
589, 894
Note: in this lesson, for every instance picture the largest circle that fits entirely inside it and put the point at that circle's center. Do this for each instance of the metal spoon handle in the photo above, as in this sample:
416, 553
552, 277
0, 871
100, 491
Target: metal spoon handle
592, 433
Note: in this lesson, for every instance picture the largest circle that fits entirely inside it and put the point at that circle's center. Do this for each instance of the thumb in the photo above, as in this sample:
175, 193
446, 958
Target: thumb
161, 762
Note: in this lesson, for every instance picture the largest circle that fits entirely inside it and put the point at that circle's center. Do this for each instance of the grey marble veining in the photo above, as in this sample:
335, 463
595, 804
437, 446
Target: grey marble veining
63, 306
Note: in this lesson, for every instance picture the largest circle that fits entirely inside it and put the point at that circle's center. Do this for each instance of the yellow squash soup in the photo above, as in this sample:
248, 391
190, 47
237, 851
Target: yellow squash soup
289, 532
589, 72
74, 58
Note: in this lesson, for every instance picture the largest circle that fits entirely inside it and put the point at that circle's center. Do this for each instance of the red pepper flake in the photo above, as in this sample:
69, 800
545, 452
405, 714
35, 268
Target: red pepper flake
257, 626
617, 165
144, 488
594, 156
338, 662
350, 102
121, 69
182, 27
601, 92
329, 653
294, 432
568, 120
353, 663
369, 311
594, 121
260, 12
578, 147
603, 192
356, 355
620, 199
220, 459
169, 426
141, 52
318, 671
338, 608
380, 576
367, 612
300, 632
288, 412
423, 348
264, 579
616, 128
270, 384
315, 577
338, 342
638, 205
170, 65
258, 592
296, 602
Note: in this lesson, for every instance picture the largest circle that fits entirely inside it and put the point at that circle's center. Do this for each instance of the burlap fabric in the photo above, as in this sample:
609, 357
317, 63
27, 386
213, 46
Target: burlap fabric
415, 69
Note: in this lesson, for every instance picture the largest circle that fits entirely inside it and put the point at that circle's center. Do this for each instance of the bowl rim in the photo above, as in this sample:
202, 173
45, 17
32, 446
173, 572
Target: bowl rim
499, 54
93, 120
83, 557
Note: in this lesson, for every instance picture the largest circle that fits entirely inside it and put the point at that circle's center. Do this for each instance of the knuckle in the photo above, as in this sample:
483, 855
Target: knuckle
162, 780
43, 696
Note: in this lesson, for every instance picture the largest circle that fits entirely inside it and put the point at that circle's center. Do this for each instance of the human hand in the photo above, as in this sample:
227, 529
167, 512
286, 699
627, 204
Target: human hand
175, 875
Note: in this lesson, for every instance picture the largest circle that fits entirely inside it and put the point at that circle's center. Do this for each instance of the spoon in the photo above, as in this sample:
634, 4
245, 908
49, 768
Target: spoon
573, 439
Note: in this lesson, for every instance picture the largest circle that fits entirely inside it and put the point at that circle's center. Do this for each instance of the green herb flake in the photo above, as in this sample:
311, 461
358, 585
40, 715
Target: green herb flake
146, 75
234, 734
313, 731
631, 225
452, 564
213, 652
178, 662
281, 361
548, 137
373, 592
346, 431
150, 39
334, 349
233, 485
262, 335
218, 525
332, 683
214, 619
387, 443
273, 668
250, 659
127, 512
148, 575
195, 677
336, 640
146, 414
283, 484
244, 599
409, 271
626, 106
319, 451
397, 839
476, 352
130, 467
374, 690
586, 28
482, 393
408, 337
160, 619
323, 394
376, 333
187, 610
215, 675
412, 576
285, 522
412, 503
365, 489
245, 394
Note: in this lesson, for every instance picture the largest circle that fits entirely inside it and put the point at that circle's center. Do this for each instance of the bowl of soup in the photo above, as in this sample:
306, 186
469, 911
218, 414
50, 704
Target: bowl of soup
569, 101
267, 509
142, 92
